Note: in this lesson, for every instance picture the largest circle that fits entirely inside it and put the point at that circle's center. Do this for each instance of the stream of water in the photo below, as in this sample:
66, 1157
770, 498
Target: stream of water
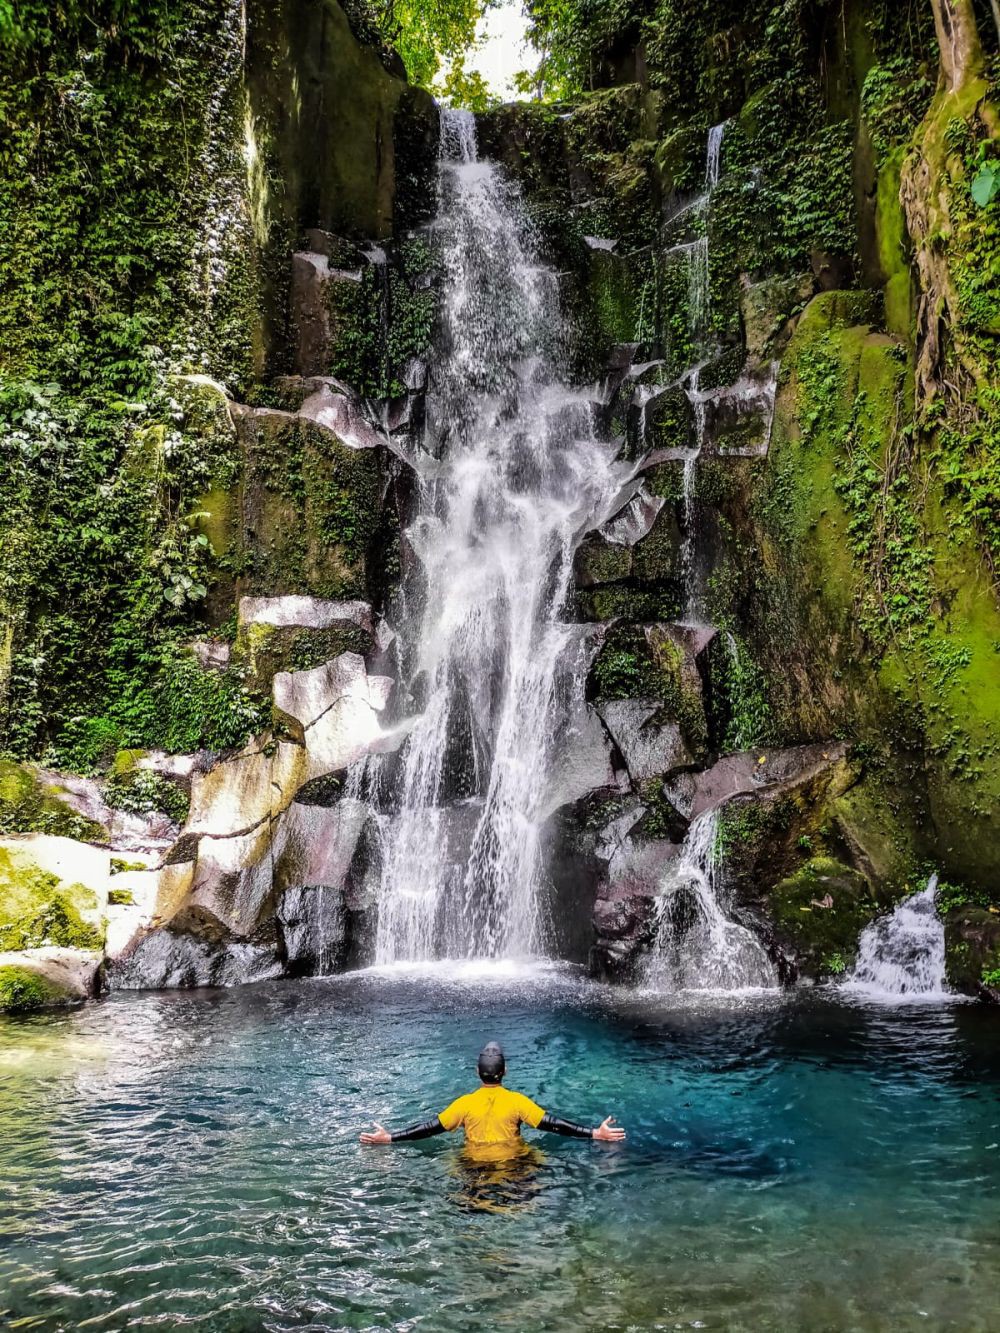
190, 1160
512, 474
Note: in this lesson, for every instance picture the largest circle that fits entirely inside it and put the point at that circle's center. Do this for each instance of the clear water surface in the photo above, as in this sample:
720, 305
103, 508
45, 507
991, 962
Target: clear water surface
190, 1159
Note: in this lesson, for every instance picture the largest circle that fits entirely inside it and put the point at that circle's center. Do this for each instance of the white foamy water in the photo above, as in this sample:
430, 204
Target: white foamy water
901, 956
512, 474
698, 946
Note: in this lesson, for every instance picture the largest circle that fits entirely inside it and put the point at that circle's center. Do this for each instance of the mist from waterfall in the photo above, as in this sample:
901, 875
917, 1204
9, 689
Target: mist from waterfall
511, 473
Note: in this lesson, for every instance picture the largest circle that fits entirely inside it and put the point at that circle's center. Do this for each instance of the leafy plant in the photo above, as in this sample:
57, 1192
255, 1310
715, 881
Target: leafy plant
985, 186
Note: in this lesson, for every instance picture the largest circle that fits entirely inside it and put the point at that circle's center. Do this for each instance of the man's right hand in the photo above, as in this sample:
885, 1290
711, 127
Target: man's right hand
608, 1132
381, 1135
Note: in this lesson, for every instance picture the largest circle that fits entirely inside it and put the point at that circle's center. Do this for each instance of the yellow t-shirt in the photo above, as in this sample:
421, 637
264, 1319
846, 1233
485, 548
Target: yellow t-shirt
491, 1115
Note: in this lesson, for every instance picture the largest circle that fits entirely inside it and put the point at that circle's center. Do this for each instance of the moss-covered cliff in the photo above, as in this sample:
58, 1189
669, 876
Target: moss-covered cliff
852, 246
160, 164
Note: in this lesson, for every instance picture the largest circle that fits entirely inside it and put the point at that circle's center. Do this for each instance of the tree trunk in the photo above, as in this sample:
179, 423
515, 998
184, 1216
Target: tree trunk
958, 38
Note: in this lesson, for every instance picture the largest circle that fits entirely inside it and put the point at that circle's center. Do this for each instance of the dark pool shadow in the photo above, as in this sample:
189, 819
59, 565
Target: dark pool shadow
496, 1179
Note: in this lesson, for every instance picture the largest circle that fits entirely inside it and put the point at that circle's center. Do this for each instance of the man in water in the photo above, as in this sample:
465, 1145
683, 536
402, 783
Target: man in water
492, 1116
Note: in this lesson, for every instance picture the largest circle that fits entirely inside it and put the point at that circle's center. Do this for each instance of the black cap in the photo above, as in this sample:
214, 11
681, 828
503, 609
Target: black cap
491, 1063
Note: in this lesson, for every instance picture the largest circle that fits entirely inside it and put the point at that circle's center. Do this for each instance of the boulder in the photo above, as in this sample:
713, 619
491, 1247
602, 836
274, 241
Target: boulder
241, 792
53, 892
124, 830
972, 950
194, 950
281, 633
738, 417
767, 309
44, 978
140, 899
301, 698
648, 746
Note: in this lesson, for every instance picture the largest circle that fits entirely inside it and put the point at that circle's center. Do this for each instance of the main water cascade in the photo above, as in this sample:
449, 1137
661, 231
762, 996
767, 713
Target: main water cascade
511, 474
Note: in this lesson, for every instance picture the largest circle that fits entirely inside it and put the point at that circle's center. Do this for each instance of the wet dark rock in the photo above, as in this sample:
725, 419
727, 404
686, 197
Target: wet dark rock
972, 951
649, 745
195, 950
313, 925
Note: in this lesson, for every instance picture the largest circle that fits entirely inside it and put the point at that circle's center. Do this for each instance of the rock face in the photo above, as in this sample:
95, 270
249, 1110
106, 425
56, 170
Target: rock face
262, 879
767, 805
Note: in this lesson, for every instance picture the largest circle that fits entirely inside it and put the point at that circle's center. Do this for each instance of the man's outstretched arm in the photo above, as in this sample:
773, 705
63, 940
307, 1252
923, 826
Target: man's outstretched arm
424, 1130
607, 1131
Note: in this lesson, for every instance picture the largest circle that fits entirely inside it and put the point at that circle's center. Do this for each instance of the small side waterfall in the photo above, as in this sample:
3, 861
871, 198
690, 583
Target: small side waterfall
697, 946
902, 955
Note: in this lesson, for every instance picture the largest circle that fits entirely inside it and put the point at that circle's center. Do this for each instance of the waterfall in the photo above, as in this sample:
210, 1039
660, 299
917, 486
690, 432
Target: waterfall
699, 316
697, 946
902, 954
511, 474
713, 155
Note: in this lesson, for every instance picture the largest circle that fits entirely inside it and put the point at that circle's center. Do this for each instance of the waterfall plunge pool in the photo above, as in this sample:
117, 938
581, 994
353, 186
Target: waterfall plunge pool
179, 1159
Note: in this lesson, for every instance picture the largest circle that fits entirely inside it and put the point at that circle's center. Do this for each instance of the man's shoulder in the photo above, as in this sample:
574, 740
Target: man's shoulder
522, 1098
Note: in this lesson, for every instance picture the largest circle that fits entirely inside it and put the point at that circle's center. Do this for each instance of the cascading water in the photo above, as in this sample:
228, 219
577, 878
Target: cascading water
699, 313
511, 474
901, 955
697, 946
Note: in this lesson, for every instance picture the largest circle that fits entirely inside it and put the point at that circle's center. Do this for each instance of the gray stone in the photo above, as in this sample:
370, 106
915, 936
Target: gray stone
583, 764
648, 748
634, 520
304, 613
193, 952
211, 654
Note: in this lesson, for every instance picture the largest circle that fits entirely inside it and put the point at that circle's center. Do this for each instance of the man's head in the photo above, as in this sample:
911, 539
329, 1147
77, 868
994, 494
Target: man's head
491, 1063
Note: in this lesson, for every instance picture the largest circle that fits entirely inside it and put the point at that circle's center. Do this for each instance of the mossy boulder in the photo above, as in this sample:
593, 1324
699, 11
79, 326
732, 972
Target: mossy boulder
28, 804
41, 904
24, 989
310, 508
818, 913
972, 950
298, 633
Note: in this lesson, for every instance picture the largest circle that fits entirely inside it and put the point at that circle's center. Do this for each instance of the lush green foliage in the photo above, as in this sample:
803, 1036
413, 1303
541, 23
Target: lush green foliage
139, 791
122, 262
433, 34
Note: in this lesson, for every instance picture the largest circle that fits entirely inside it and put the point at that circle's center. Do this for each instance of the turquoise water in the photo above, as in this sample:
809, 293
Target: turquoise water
181, 1159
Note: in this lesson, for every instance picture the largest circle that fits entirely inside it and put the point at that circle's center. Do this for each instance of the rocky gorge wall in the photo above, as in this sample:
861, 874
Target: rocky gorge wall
850, 537
208, 479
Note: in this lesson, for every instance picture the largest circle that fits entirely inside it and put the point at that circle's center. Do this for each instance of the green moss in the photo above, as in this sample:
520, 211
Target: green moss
121, 897
119, 866
599, 561
635, 664
894, 248
313, 510
28, 806
821, 936
22, 990
37, 909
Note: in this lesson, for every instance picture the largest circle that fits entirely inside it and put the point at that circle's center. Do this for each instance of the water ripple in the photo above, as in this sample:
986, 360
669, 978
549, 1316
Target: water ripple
191, 1160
